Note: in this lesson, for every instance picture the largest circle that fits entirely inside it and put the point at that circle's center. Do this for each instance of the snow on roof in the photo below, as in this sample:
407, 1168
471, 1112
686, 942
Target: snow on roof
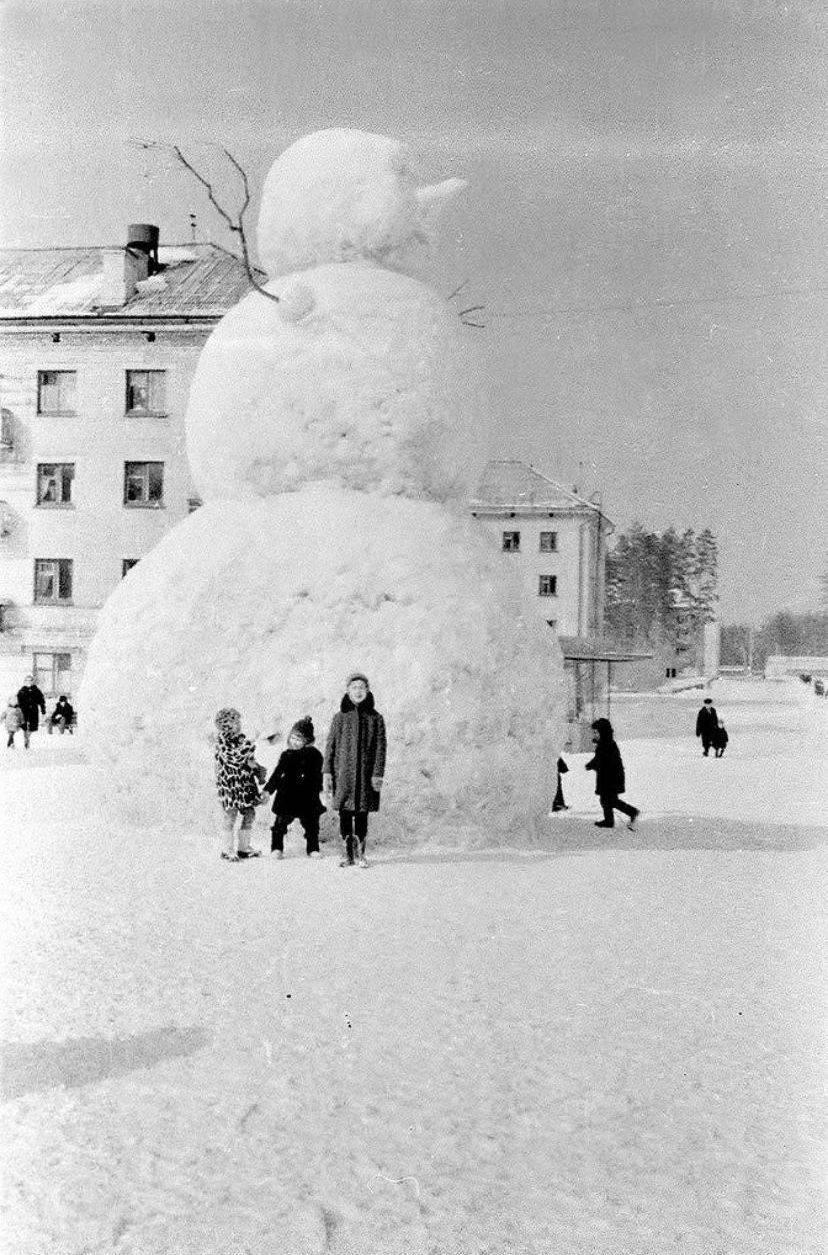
515, 484
199, 279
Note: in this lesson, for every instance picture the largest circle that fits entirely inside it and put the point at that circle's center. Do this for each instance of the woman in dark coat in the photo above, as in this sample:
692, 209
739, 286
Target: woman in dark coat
609, 776
32, 704
354, 764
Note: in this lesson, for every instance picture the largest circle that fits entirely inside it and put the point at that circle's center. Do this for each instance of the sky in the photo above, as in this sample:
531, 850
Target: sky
644, 220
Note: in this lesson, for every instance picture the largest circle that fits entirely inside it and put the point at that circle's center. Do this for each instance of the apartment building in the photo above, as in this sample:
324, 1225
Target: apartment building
555, 538
97, 351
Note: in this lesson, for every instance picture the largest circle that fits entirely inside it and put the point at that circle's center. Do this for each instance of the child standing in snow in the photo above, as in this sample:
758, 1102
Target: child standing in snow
609, 776
13, 719
295, 785
237, 779
355, 764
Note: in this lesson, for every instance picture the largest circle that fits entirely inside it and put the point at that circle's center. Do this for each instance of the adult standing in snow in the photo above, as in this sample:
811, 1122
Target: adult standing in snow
32, 705
354, 764
609, 776
707, 722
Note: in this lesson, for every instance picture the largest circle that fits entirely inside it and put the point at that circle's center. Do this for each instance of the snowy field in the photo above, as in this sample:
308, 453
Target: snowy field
607, 1044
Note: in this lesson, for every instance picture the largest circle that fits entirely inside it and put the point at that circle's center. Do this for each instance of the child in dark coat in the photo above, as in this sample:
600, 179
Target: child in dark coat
355, 765
295, 785
609, 776
720, 739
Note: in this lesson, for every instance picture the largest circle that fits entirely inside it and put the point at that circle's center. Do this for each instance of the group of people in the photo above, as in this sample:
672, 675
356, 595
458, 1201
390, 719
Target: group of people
349, 777
711, 730
24, 709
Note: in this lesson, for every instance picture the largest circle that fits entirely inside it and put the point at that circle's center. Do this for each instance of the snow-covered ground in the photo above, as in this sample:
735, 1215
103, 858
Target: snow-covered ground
608, 1044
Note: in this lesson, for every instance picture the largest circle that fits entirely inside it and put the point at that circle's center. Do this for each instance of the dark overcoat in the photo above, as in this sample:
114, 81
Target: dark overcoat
355, 751
609, 769
707, 720
296, 782
33, 704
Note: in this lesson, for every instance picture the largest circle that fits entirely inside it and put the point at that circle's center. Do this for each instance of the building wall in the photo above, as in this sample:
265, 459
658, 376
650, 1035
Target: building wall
578, 564
97, 530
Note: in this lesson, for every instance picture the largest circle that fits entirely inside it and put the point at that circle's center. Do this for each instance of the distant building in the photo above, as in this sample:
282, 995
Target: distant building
97, 351
778, 666
554, 537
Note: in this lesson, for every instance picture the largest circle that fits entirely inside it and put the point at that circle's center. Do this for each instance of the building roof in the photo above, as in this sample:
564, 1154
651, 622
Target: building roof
194, 280
513, 485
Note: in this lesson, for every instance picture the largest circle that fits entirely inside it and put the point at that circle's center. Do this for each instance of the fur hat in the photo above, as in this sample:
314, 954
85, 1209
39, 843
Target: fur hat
304, 728
226, 718
358, 675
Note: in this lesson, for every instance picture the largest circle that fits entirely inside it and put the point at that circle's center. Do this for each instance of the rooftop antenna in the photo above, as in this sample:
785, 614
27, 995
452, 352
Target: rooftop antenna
192, 228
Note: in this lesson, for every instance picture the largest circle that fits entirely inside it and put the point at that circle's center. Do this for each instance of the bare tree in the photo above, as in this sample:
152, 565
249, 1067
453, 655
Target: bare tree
236, 224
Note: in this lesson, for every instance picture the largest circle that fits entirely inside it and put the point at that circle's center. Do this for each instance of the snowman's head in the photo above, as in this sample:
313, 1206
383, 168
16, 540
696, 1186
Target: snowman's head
343, 195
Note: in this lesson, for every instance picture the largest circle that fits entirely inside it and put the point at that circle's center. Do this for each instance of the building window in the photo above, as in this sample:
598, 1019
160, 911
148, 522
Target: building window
53, 674
56, 391
54, 483
127, 564
511, 542
671, 673
193, 504
549, 542
53, 581
547, 585
146, 391
143, 483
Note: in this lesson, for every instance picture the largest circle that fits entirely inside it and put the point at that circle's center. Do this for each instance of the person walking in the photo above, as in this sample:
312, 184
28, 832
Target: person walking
354, 765
33, 704
720, 740
609, 776
706, 723
295, 786
13, 721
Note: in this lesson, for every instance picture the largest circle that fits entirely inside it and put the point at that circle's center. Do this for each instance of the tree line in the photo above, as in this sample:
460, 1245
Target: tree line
661, 587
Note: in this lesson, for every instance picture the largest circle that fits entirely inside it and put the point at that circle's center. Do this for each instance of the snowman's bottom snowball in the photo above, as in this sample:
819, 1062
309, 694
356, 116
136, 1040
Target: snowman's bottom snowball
267, 606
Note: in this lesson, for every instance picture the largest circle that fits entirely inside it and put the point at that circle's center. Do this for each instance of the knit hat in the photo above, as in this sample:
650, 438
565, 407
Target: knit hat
304, 727
358, 675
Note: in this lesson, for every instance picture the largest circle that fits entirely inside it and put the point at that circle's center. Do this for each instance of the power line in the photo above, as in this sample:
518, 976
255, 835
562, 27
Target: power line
667, 302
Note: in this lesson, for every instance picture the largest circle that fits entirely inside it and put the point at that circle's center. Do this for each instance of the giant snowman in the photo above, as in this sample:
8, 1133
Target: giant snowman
331, 433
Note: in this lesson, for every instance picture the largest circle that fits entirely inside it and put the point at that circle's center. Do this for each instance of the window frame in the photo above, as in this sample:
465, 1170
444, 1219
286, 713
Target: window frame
127, 564
146, 502
61, 478
150, 410
551, 591
510, 542
62, 409
552, 547
64, 572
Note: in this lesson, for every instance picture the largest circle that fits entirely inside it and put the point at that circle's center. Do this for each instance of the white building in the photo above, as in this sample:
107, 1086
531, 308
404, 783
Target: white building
557, 540
97, 350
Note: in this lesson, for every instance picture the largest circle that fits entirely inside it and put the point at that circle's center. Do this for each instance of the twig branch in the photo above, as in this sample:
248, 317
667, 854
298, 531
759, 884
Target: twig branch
235, 225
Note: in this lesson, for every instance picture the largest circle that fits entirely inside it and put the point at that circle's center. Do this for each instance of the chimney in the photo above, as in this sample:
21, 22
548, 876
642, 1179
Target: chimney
124, 267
